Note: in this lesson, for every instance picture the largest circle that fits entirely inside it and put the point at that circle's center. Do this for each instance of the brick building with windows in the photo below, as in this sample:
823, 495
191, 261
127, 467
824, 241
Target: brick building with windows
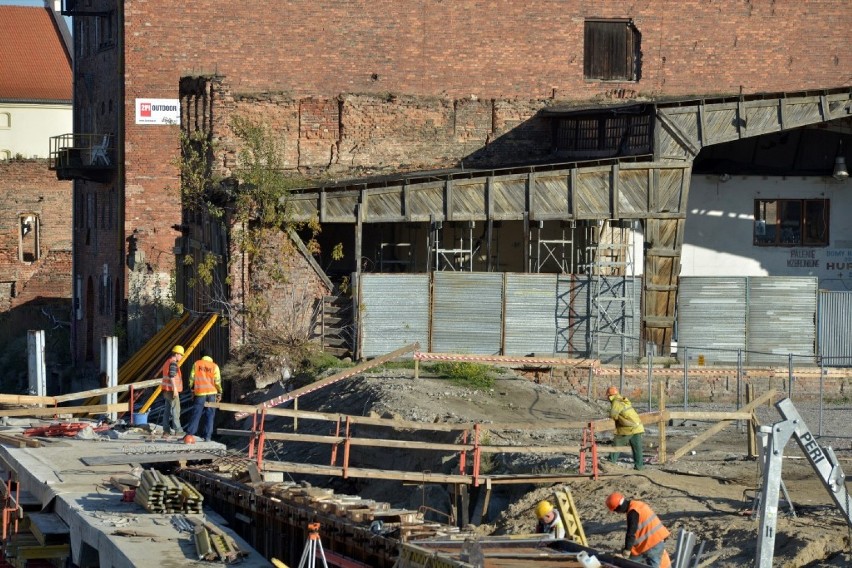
35, 224
356, 90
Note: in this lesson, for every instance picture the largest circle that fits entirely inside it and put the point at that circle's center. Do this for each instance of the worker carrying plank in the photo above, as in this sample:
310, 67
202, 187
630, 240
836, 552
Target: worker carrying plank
628, 426
646, 536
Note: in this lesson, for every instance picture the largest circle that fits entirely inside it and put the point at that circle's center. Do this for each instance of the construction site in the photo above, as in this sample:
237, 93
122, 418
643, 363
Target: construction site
387, 464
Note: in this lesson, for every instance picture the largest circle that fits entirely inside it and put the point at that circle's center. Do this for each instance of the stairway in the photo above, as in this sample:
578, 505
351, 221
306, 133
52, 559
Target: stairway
334, 325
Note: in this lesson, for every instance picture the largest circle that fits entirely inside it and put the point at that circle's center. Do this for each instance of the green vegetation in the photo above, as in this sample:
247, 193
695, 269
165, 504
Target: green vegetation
470, 375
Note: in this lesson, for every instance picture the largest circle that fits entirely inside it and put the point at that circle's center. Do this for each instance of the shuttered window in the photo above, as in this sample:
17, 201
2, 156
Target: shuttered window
611, 51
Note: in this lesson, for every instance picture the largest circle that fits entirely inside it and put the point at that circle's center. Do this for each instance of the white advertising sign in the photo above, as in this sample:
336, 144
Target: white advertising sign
157, 111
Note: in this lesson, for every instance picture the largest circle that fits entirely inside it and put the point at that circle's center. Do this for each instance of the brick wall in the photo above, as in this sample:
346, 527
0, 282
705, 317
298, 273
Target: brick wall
501, 49
28, 187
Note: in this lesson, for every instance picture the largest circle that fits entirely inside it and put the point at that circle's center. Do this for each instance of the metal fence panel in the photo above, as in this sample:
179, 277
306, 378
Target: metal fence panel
531, 314
711, 317
394, 312
467, 312
835, 328
781, 319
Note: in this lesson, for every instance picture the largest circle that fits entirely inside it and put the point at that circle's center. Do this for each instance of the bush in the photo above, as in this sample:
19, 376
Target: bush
464, 374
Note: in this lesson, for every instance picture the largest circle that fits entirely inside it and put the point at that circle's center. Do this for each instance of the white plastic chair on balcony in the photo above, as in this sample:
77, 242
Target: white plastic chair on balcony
99, 152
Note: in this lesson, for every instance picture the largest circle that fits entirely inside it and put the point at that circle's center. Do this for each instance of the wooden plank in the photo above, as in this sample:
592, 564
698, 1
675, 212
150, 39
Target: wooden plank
49, 529
708, 416
26, 399
713, 430
92, 409
106, 390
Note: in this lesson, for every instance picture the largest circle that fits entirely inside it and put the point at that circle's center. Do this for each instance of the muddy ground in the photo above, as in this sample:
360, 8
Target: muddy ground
710, 493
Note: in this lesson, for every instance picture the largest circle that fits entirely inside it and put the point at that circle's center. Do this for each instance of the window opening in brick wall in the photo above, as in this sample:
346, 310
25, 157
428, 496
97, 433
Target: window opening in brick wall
90, 320
611, 50
28, 245
5, 155
791, 222
5, 120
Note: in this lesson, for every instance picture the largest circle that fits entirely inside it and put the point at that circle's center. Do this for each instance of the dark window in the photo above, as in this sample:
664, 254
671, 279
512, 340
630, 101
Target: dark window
791, 222
611, 50
104, 31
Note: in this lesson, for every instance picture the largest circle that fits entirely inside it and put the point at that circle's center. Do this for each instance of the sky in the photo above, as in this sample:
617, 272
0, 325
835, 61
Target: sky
39, 3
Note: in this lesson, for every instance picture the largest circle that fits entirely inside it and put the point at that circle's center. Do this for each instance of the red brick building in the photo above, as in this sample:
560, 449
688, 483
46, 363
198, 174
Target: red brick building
357, 88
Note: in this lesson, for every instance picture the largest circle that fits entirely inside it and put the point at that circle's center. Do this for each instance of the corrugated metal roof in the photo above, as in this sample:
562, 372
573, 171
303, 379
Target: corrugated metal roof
34, 65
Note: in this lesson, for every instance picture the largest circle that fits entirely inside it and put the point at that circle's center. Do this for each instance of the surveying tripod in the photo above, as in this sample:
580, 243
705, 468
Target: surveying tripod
314, 544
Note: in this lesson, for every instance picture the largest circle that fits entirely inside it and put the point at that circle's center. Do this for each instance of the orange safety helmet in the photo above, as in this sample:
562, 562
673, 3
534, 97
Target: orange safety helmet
189, 439
611, 391
614, 501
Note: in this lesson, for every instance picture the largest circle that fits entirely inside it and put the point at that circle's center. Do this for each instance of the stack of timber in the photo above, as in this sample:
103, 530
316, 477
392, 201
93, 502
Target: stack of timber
160, 493
403, 524
213, 544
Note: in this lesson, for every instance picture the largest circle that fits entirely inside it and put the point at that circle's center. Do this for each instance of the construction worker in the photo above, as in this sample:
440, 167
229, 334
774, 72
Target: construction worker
172, 386
628, 426
205, 380
646, 536
549, 520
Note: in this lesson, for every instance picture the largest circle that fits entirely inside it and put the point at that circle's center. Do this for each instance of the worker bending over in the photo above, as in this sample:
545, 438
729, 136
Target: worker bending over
549, 520
628, 426
646, 536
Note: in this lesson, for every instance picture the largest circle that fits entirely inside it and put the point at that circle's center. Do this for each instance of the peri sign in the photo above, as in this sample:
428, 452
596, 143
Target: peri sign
157, 111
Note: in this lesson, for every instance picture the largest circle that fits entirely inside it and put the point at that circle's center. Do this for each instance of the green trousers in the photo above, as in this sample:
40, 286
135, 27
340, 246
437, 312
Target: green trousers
635, 441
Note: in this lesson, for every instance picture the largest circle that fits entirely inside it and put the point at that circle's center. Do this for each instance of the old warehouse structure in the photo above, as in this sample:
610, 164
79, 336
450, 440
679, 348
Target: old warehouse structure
355, 90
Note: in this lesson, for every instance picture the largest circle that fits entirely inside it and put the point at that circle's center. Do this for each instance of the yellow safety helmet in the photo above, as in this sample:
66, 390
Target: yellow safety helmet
543, 508
178, 349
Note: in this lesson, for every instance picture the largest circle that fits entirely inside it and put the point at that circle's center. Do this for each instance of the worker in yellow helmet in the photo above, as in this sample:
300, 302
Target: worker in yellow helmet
628, 426
172, 385
549, 521
205, 380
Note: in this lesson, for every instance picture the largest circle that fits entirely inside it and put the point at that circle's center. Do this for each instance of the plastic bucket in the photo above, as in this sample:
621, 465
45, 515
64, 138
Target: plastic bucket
140, 418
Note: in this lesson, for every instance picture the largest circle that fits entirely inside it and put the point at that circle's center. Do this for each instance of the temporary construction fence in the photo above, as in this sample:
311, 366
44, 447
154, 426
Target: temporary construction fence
720, 320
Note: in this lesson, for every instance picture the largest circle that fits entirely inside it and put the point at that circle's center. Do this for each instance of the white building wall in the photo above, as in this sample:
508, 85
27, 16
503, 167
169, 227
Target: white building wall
720, 223
26, 128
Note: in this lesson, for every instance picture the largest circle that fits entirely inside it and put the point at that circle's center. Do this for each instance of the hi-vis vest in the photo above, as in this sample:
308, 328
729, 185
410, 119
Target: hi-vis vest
204, 377
172, 383
650, 531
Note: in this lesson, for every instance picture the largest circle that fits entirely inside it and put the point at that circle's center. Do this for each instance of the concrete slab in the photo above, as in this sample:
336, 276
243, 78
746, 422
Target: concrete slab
81, 496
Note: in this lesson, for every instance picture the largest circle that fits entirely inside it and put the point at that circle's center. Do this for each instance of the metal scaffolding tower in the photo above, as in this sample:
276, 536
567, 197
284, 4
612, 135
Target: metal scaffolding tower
611, 274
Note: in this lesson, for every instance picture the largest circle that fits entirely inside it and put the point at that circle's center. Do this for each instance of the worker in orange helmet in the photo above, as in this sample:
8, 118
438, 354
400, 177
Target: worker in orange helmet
628, 426
172, 385
646, 536
549, 521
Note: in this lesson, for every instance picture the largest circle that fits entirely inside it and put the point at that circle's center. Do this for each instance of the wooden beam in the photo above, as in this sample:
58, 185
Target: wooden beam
709, 416
91, 409
106, 390
713, 430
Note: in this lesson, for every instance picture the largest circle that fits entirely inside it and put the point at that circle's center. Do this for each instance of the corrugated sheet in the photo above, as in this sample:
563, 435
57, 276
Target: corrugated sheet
781, 319
835, 328
394, 312
711, 317
467, 312
531, 313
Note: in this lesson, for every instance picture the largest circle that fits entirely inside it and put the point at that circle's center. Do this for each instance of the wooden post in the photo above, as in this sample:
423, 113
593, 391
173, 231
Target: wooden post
416, 367
752, 439
295, 417
661, 456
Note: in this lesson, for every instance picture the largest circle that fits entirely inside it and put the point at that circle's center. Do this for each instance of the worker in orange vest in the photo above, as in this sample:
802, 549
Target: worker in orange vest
646, 536
172, 386
205, 380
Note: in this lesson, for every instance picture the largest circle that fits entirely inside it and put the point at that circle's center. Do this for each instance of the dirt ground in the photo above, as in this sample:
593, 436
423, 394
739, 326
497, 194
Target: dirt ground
709, 493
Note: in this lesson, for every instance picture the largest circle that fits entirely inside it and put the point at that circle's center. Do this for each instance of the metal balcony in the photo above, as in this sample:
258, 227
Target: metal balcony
83, 156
